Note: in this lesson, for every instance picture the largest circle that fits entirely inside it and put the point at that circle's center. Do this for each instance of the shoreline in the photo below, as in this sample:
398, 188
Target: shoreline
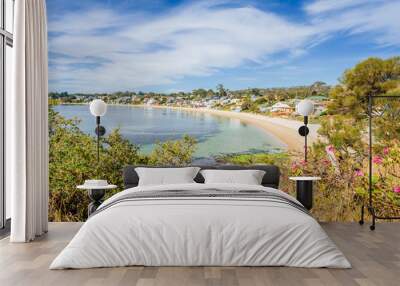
285, 130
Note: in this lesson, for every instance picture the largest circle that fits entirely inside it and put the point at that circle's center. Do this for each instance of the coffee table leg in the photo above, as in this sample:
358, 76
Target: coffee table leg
304, 193
96, 198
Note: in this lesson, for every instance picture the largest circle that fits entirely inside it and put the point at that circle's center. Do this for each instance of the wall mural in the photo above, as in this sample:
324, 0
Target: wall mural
218, 82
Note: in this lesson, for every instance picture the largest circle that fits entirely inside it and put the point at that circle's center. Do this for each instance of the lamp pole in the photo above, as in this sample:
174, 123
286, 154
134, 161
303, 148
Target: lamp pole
305, 138
305, 108
98, 108
98, 138
100, 131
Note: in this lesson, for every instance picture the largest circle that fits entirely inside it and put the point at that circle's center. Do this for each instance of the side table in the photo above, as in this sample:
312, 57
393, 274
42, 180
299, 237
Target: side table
96, 195
304, 190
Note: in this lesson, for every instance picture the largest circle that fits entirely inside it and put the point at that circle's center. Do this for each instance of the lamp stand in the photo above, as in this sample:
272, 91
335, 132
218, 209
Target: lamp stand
100, 131
98, 138
305, 138
303, 131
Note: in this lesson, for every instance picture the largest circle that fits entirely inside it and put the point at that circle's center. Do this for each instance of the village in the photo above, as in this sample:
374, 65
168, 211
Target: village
280, 108
272, 101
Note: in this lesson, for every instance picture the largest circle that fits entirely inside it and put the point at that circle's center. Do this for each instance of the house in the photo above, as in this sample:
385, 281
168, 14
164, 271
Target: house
150, 101
281, 108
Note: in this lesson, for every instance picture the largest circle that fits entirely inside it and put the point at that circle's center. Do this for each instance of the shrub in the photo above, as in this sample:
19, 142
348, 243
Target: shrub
73, 159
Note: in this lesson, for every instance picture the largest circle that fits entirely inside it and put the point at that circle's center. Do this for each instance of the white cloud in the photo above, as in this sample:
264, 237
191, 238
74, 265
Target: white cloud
194, 40
107, 51
325, 6
377, 19
93, 20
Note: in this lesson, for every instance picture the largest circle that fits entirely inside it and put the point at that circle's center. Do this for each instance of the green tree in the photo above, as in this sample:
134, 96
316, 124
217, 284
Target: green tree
118, 153
173, 153
221, 90
201, 92
256, 91
349, 102
73, 159
246, 104
373, 77
210, 93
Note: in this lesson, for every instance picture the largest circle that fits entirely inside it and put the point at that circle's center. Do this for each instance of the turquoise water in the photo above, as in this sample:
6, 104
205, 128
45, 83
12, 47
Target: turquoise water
145, 126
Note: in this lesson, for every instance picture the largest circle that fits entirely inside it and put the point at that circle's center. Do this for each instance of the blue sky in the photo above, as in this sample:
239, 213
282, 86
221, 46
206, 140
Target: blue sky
167, 46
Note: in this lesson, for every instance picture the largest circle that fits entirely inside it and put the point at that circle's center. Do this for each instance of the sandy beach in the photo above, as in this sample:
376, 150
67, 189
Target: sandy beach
285, 130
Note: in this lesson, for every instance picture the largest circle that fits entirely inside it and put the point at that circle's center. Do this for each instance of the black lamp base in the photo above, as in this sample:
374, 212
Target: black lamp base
96, 197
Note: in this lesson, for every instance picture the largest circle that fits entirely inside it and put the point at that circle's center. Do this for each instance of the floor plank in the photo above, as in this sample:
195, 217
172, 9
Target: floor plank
375, 257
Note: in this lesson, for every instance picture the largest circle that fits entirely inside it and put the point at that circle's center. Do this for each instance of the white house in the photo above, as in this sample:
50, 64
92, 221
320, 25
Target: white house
281, 107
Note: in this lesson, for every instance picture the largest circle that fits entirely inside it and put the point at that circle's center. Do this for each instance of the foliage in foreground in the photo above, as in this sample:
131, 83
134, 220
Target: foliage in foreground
341, 158
73, 159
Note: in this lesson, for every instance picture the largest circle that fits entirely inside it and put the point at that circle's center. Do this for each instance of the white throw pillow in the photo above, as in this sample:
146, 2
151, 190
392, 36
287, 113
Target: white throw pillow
166, 176
248, 177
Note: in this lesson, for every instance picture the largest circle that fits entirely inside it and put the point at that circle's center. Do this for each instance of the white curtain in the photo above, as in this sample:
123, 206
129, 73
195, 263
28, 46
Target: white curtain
27, 124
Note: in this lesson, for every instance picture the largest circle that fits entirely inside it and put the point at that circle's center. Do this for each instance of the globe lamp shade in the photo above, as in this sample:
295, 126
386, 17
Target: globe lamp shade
98, 107
305, 107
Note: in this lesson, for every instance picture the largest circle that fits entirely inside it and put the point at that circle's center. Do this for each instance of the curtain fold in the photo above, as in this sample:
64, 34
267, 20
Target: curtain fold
27, 123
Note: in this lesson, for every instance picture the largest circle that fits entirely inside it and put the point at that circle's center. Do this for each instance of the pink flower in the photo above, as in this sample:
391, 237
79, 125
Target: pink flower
386, 150
377, 160
396, 189
303, 163
326, 162
358, 173
330, 148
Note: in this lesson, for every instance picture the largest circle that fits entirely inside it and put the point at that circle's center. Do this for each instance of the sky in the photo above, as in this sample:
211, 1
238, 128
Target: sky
170, 46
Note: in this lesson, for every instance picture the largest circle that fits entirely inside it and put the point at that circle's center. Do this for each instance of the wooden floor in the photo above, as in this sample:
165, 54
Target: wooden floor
375, 257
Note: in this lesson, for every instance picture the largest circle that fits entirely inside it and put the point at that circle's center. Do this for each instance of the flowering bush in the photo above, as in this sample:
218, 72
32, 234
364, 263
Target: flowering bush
344, 185
334, 194
386, 179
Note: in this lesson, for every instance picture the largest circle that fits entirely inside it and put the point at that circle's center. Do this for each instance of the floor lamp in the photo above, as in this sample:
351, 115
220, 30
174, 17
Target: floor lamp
304, 184
98, 108
305, 108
